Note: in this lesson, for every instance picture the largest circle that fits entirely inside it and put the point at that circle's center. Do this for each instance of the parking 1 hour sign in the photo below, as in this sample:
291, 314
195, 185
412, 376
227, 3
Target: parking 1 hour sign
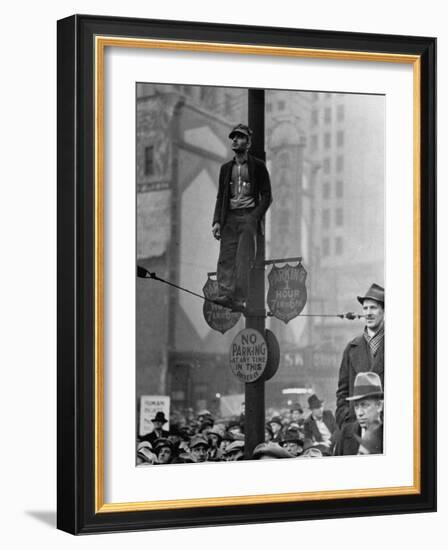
248, 355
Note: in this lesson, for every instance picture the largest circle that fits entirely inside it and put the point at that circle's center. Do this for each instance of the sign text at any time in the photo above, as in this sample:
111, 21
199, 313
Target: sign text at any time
248, 355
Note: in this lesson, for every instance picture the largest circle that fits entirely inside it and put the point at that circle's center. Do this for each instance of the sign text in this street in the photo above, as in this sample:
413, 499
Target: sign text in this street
248, 355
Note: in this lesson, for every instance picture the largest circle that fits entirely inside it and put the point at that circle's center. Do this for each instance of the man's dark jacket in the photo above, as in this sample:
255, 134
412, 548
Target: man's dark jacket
356, 358
347, 443
312, 433
259, 178
153, 436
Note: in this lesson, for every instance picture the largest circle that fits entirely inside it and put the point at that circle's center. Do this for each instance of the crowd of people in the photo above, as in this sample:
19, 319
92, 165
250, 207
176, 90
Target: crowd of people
356, 428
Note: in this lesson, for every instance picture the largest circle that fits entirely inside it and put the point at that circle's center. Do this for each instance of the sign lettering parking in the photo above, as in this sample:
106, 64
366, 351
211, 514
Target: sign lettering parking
248, 355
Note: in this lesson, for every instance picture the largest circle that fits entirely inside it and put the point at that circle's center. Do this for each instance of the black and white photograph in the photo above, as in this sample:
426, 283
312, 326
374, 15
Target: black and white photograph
260, 288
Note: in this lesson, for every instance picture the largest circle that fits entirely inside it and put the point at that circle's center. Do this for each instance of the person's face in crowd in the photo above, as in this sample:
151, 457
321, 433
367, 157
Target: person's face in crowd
296, 415
224, 444
199, 453
235, 455
292, 447
213, 440
164, 456
368, 411
267, 436
157, 424
374, 314
275, 427
240, 143
318, 413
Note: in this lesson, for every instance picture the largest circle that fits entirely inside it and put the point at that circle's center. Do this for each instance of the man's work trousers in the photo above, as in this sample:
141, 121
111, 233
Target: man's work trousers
237, 253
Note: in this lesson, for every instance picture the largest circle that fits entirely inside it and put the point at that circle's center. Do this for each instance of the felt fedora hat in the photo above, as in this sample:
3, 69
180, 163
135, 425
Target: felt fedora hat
159, 417
314, 402
367, 384
375, 292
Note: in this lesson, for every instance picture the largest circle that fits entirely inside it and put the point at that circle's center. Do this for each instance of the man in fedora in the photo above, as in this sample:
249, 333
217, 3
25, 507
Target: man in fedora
320, 425
244, 195
158, 432
365, 434
365, 353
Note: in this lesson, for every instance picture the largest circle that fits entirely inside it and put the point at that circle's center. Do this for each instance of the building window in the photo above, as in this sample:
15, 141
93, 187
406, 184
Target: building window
340, 113
281, 105
339, 189
327, 114
326, 246
326, 190
339, 246
339, 218
327, 140
327, 165
340, 163
149, 160
314, 117
340, 138
326, 218
314, 142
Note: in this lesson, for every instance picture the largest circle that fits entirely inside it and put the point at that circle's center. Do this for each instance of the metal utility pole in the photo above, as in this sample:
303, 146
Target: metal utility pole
254, 391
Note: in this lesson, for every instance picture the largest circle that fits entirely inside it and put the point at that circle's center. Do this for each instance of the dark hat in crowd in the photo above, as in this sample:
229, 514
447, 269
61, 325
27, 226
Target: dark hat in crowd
270, 449
175, 430
185, 433
206, 423
296, 407
198, 440
314, 402
276, 420
367, 384
240, 129
375, 292
162, 442
292, 436
159, 417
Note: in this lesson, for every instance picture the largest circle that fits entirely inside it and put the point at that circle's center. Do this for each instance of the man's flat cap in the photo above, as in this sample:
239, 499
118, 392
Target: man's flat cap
241, 129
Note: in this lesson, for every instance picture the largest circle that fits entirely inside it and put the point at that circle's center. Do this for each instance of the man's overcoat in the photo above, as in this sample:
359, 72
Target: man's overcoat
356, 358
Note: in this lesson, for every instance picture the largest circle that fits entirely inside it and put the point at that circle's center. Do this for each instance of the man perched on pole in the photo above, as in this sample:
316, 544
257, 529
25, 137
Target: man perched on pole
244, 195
